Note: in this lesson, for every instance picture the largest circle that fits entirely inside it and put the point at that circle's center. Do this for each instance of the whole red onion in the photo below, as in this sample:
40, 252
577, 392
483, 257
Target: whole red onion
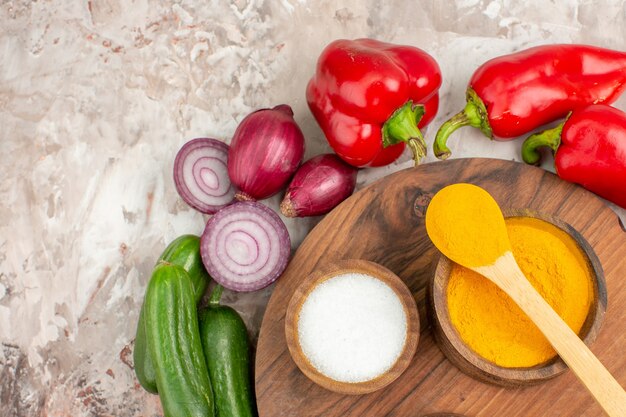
266, 149
320, 184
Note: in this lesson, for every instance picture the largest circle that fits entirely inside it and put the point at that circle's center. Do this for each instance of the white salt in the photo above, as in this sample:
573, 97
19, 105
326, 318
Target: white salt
352, 327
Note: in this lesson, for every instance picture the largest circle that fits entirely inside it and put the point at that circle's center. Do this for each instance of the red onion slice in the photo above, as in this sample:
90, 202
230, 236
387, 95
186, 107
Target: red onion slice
201, 175
245, 246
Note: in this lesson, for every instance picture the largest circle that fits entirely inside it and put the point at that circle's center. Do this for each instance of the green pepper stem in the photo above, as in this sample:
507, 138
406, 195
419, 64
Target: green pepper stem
474, 114
549, 137
402, 127
216, 295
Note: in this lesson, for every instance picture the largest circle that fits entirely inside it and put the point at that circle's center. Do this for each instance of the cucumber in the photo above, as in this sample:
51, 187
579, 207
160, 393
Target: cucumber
144, 369
173, 341
227, 354
185, 252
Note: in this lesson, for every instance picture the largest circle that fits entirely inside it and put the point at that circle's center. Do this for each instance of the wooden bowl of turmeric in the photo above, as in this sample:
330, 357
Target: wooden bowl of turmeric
486, 335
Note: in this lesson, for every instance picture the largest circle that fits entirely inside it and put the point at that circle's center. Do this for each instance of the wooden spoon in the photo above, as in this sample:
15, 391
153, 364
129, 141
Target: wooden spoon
465, 223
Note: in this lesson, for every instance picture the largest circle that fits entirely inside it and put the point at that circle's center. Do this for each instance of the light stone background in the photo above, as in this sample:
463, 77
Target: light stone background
97, 96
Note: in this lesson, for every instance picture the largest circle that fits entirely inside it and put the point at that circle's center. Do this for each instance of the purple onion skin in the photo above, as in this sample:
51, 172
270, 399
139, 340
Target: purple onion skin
320, 184
266, 149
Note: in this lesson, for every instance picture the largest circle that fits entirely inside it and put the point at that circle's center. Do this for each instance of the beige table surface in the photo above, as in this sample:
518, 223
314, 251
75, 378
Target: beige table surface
97, 96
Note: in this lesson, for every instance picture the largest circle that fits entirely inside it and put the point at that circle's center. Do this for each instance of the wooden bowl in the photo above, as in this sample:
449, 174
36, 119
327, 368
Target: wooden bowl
475, 365
339, 268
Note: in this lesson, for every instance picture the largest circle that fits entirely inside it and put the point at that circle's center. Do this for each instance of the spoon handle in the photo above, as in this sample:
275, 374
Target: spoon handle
506, 274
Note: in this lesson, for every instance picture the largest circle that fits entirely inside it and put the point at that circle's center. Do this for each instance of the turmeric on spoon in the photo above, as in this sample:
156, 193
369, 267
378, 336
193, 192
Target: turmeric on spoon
462, 216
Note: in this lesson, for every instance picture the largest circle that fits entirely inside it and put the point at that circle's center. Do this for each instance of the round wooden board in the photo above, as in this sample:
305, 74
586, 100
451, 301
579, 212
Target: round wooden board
384, 223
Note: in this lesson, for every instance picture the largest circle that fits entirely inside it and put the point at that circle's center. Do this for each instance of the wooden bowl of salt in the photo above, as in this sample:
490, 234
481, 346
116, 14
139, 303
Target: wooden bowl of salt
458, 351
352, 327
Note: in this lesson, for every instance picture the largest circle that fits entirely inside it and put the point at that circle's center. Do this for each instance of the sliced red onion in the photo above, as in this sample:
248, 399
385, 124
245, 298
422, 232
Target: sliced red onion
201, 175
245, 246
266, 149
320, 184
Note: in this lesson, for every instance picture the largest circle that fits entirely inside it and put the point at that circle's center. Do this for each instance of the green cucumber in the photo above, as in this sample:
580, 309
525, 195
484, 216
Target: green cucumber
173, 341
144, 369
185, 252
227, 354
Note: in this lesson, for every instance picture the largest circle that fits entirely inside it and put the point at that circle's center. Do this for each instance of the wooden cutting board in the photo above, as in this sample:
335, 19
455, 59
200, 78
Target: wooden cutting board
384, 223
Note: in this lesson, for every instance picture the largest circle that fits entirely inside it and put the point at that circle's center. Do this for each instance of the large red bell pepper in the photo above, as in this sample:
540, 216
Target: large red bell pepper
589, 149
511, 95
371, 97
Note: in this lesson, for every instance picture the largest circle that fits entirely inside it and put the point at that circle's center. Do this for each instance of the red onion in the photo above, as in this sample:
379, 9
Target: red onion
265, 151
319, 185
245, 246
201, 175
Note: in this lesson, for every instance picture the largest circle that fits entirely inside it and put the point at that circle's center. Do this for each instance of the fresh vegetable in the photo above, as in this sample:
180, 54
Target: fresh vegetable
183, 251
513, 94
245, 246
589, 149
144, 367
265, 151
227, 354
173, 340
201, 175
371, 98
318, 186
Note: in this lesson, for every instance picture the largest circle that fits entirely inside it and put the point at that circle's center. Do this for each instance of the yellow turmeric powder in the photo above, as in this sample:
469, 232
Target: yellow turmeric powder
463, 221
488, 320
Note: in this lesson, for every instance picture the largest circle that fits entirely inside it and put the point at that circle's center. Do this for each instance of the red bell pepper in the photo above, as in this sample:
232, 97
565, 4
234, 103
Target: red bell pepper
371, 97
513, 94
589, 149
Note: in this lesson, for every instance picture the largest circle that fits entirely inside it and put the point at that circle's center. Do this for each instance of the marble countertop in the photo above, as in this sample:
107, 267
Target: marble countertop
97, 96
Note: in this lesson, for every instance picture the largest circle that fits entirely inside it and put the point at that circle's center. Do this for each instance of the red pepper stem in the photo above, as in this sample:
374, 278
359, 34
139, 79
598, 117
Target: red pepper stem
550, 138
402, 127
474, 114
216, 295
418, 149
